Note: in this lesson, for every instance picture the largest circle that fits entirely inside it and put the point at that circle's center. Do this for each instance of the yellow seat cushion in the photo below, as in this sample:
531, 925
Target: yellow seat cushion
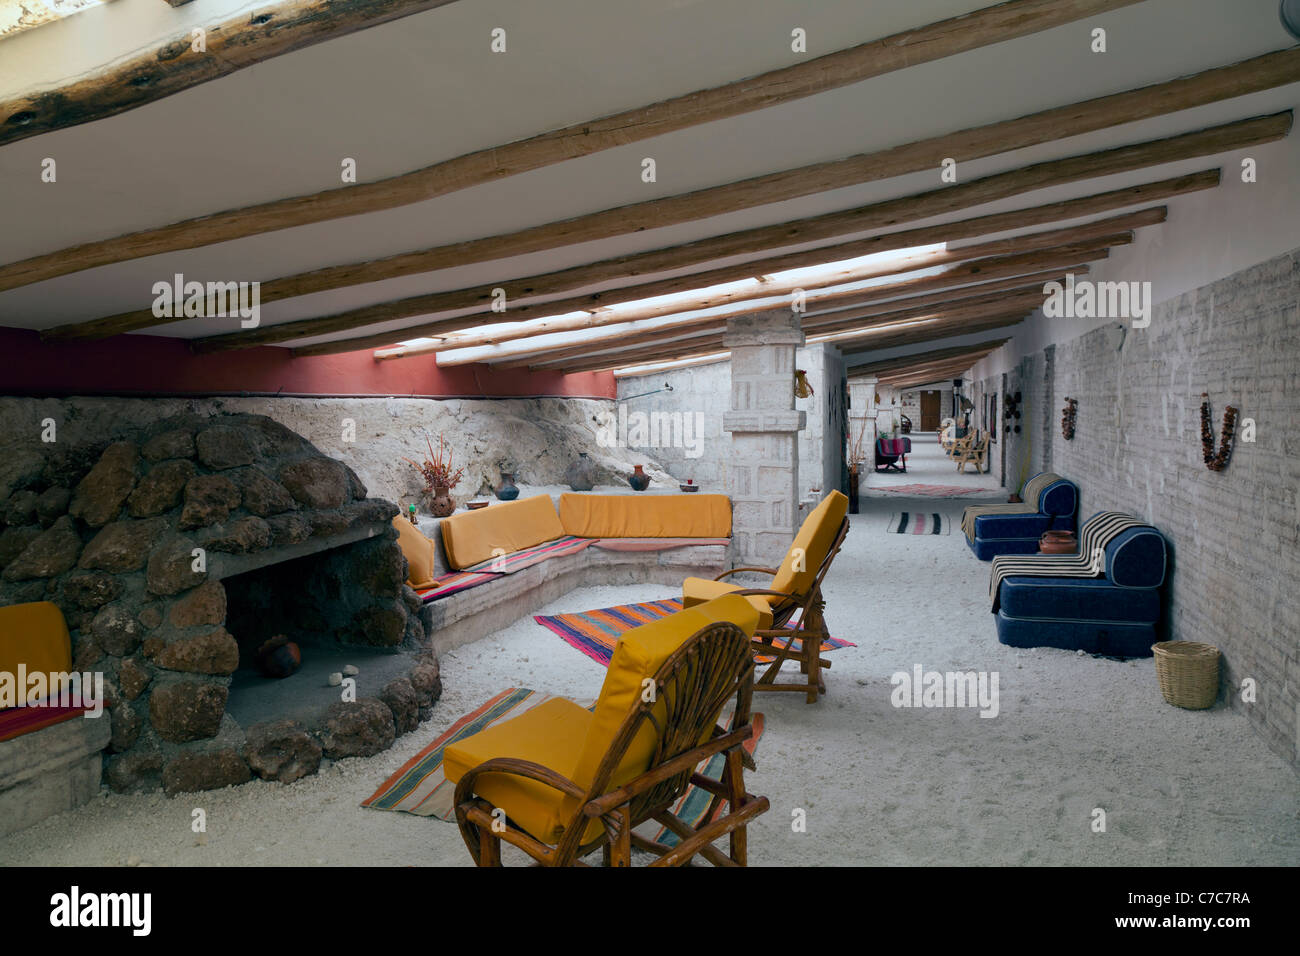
36, 636
550, 734
474, 536
573, 742
638, 656
697, 591
654, 516
813, 542
419, 553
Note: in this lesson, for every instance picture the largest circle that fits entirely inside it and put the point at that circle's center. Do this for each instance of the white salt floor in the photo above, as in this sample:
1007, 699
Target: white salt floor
878, 784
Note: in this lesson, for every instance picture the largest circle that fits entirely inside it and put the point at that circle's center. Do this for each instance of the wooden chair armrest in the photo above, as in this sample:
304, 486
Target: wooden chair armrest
724, 574
687, 761
519, 768
746, 592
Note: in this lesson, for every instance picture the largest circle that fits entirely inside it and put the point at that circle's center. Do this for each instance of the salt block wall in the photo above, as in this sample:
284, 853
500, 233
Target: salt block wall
537, 438
1235, 534
703, 393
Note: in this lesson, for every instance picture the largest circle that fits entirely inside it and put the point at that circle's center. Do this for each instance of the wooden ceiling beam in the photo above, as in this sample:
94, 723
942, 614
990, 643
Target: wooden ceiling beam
1210, 86
959, 259
173, 67
974, 309
1015, 275
920, 358
761, 239
1210, 141
819, 298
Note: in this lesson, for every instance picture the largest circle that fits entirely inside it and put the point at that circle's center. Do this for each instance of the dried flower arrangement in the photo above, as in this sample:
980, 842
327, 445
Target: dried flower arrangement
436, 469
856, 451
1068, 415
1217, 461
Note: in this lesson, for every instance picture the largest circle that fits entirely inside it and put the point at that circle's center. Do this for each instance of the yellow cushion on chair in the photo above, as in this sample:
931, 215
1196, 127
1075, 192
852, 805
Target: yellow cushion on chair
550, 734
36, 636
419, 553
814, 540
697, 591
638, 655
572, 741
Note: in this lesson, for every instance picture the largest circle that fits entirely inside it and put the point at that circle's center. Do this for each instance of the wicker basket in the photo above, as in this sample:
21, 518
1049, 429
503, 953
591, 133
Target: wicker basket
1188, 673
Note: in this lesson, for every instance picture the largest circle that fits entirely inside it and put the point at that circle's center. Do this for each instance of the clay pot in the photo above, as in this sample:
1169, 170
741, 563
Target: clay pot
581, 475
279, 657
441, 505
639, 480
507, 490
1058, 542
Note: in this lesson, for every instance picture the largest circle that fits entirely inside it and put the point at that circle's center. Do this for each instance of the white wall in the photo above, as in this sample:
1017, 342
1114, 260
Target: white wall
1209, 235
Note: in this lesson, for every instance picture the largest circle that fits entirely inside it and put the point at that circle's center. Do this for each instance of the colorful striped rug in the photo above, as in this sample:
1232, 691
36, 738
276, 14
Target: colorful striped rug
596, 632
452, 583
419, 786
935, 491
518, 560
918, 522
16, 721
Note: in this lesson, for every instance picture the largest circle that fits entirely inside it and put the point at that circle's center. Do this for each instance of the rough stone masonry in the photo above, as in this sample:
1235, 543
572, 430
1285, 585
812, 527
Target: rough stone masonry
131, 538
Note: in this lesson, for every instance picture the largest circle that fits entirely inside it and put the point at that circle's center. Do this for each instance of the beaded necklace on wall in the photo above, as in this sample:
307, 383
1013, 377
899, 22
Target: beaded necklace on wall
1068, 415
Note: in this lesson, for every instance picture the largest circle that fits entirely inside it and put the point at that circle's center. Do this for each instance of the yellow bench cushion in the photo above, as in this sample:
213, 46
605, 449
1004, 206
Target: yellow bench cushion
550, 734
419, 553
36, 636
652, 516
572, 741
697, 591
812, 543
474, 536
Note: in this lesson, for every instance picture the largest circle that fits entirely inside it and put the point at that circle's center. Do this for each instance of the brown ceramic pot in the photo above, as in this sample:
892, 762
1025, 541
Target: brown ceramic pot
441, 505
1058, 542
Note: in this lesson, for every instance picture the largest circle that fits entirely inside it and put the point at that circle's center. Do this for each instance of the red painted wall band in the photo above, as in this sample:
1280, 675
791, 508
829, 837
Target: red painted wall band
154, 365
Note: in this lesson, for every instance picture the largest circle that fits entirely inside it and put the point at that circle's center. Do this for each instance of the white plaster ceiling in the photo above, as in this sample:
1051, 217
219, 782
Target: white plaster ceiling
426, 88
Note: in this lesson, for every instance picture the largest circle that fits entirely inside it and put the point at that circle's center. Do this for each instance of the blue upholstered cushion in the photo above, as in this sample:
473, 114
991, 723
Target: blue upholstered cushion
1114, 638
1012, 526
1059, 498
1136, 558
1078, 599
987, 550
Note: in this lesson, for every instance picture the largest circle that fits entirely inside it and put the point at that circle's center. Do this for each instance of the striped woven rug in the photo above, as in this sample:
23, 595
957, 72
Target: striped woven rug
419, 786
918, 522
518, 560
16, 721
455, 582
596, 632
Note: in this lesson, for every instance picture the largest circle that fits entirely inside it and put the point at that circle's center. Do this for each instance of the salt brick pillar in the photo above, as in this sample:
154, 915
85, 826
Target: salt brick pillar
763, 470
862, 408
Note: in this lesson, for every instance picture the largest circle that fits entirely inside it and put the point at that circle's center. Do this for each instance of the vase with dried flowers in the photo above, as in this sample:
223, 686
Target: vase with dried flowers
438, 477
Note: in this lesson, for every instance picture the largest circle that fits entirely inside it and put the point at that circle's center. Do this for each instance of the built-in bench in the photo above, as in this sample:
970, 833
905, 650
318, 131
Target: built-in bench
49, 754
541, 549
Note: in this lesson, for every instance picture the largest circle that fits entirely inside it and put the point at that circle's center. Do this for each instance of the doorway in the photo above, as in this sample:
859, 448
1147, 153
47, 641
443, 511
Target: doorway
930, 411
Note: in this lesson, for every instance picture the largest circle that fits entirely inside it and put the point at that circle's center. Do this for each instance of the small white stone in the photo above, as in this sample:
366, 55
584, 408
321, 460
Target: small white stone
335, 679
351, 670
1079, 652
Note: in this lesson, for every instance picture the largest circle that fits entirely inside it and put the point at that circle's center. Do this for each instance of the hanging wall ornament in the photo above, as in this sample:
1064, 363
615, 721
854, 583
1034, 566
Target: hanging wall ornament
801, 387
1217, 461
1068, 415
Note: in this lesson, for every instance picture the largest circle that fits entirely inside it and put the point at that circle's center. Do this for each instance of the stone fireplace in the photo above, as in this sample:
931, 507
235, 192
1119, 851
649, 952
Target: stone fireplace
174, 551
